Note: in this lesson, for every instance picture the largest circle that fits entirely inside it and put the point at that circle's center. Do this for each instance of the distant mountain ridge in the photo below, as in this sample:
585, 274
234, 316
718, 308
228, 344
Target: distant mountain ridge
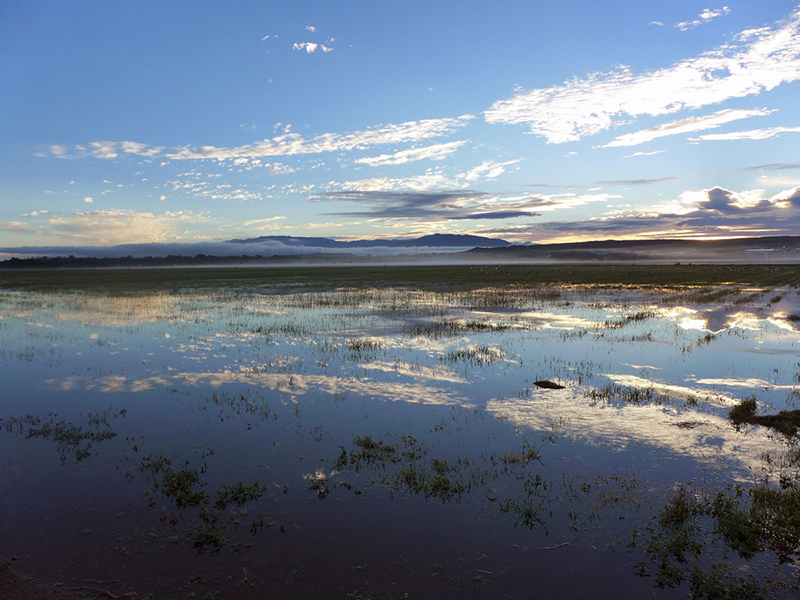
436, 240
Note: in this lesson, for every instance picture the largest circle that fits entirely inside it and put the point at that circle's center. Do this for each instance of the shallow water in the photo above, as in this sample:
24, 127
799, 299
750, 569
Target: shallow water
251, 443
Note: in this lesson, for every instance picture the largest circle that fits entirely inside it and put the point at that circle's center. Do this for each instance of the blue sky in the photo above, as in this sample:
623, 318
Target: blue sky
178, 122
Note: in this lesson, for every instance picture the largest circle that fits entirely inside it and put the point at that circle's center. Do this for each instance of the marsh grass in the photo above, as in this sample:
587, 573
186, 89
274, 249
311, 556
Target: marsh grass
212, 518
693, 533
630, 395
71, 440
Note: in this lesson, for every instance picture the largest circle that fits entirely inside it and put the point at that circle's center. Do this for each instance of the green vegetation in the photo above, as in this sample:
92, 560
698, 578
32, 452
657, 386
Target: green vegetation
416, 277
70, 439
694, 532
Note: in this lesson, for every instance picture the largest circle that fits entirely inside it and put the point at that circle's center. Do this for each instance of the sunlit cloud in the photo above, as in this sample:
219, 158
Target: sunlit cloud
109, 227
15, 226
435, 152
752, 134
287, 144
311, 47
760, 60
689, 125
704, 17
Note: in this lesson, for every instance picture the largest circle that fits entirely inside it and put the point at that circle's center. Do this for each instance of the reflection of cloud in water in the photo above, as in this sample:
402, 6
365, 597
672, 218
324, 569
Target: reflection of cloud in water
294, 384
744, 383
675, 391
744, 320
693, 324
414, 370
109, 383
708, 437
300, 385
780, 322
546, 320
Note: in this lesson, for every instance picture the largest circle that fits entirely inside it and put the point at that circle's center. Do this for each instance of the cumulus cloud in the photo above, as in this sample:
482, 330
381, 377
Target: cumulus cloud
704, 17
109, 227
288, 144
752, 134
689, 125
311, 47
434, 152
758, 61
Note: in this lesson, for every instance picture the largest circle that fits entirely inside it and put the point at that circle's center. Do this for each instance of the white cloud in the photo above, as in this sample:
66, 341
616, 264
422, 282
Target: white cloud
585, 106
435, 152
15, 226
311, 28
88, 199
260, 221
430, 180
644, 154
309, 47
704, 17
110, 227
288, 144
689, 125
752, 134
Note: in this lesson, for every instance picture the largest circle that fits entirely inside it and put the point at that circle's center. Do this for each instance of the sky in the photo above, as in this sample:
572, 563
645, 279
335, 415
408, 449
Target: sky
535, 122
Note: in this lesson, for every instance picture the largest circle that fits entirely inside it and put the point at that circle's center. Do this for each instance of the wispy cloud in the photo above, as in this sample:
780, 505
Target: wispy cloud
704, 17
752, 134
635, 154
689, 125
761, 60
288, 144
636, 181
454, 205
435, 152
428, 181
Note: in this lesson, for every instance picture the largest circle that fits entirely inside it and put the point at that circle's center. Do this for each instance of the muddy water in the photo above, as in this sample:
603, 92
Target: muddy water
238, 444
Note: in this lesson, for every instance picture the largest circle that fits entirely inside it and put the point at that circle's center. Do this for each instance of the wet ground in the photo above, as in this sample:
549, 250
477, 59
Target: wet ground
267, 438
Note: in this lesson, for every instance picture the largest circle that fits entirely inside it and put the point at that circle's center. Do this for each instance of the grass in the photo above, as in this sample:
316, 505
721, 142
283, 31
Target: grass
785, 421
418, 277
696, 537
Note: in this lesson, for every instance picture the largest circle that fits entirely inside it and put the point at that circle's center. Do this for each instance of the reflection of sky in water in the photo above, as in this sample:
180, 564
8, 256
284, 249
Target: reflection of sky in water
194, 369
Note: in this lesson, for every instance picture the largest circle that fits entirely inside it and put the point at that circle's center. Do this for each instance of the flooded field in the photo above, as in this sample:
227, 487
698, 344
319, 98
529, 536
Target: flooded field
483, 432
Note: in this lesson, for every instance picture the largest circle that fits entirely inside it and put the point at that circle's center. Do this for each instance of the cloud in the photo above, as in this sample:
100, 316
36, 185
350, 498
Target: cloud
15, 226
435, 152
288, 144
88, 199
311, 28
689, 125
430, 180
109, 227
451, 205
752, 134
704, 17
311, 47
636, 181
761, 60
261, 221
644, 154
714, 212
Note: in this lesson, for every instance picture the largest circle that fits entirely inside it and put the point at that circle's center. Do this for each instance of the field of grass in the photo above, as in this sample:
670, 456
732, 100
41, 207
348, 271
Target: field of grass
417, 276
